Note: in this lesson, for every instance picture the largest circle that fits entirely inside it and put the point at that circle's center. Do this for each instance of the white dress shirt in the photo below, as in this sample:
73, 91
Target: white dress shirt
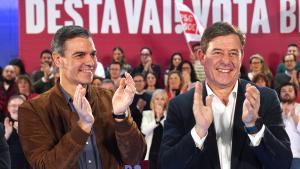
223, 120
293, 131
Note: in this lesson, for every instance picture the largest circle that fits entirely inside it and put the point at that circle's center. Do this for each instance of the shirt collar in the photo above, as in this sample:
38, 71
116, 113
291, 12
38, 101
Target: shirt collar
233, 92
67, 97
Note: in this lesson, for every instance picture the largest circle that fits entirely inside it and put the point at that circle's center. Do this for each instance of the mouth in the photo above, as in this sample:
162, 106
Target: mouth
87, 70
224, 70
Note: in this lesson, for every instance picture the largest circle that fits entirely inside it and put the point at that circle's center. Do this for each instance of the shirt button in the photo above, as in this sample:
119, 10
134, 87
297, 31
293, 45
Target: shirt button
90, 161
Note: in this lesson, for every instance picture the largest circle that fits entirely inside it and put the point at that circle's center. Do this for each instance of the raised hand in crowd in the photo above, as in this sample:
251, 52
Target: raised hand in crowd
147, 67
140, 105
8, 125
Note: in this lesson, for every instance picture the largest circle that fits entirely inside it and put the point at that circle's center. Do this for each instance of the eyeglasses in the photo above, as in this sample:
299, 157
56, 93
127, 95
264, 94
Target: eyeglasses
138, 81
289, 61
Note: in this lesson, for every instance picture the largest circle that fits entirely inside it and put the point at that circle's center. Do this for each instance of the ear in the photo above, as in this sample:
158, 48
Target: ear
57, 58
200, 56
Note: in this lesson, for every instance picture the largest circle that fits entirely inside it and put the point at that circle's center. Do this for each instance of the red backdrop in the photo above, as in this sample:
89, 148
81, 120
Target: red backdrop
269, 25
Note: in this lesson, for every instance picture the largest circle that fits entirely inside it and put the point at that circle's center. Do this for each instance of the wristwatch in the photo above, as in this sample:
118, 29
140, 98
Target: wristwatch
254, 129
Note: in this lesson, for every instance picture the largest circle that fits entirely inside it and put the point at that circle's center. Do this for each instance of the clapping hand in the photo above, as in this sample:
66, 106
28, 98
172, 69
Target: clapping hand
251, 105
124, 95
83, 108
202, 113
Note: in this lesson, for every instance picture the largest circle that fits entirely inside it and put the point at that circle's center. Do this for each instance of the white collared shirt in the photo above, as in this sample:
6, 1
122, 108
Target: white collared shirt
293, 131
223, 120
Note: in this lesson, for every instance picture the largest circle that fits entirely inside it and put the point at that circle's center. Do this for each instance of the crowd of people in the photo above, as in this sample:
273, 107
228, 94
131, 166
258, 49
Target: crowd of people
155, 88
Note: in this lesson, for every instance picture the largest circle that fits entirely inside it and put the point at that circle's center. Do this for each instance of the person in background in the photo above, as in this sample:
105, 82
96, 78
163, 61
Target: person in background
45, 56
188, 74
47, 81
108, 84
176, 59
261, 80
18, 160
4, 150
141, 100
151, 83
146, 65
199, 69
224, 122
258, 65
290, 74
152, 125
174, 85
97, 81
19, 66
24, 87
75, 125
115, 73
292, 49
7, 89
119, 57
291, 116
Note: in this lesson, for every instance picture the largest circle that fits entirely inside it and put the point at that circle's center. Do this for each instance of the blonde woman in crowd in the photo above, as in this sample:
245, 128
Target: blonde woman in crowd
258, 65
152, 125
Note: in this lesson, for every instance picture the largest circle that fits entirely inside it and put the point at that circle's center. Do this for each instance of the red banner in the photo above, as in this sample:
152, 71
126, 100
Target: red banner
270, 26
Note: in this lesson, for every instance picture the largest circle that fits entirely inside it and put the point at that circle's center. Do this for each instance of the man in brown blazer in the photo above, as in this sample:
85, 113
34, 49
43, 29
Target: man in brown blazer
77, 126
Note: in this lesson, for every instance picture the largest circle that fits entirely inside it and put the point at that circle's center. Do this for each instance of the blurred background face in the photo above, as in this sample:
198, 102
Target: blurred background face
176, 60
256, 65
46, 57
145, 56
289, 62
293, 50
160, 100
117, 55
186, 68
23, 86
9, 73
13, 107
261, 83
151, 79
139, 83
97, 83
174, 81
287, 94
114, 71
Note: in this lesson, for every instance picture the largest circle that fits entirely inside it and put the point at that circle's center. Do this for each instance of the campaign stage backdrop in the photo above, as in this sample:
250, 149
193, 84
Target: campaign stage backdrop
270, 25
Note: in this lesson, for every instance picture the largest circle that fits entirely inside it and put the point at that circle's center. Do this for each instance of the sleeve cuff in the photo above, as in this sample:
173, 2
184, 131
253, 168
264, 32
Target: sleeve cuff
198, 141
255, 140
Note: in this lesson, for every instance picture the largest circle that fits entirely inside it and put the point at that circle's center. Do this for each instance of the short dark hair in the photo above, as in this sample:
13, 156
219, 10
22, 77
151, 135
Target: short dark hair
45, 51
288, 84
220, 29
293, 45
116, 63
65, 33
147, 48
294, 56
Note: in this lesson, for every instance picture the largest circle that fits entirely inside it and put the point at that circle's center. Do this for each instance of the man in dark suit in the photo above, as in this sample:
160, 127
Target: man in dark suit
4, 151
226, 122
75, 125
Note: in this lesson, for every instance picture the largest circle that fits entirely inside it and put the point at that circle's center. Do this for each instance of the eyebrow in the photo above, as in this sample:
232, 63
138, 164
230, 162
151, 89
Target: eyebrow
81, 52
231, 50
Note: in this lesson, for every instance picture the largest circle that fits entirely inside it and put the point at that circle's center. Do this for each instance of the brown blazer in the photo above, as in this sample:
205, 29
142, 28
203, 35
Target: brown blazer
52, 139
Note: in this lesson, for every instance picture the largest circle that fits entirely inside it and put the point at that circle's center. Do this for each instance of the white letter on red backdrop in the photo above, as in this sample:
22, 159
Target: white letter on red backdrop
35, 11
287, 14
133, 14
110, 18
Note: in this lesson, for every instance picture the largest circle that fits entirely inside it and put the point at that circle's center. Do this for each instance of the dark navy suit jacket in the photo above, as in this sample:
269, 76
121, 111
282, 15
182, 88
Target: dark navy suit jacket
178, 149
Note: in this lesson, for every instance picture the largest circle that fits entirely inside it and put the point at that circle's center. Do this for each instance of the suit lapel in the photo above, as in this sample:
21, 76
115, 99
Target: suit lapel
238, 135
210, 143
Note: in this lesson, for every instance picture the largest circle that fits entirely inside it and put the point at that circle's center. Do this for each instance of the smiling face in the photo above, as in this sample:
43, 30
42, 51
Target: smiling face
222, 61
79, 62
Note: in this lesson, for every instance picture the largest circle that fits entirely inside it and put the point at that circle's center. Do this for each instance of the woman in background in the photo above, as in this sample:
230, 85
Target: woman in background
152, 125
